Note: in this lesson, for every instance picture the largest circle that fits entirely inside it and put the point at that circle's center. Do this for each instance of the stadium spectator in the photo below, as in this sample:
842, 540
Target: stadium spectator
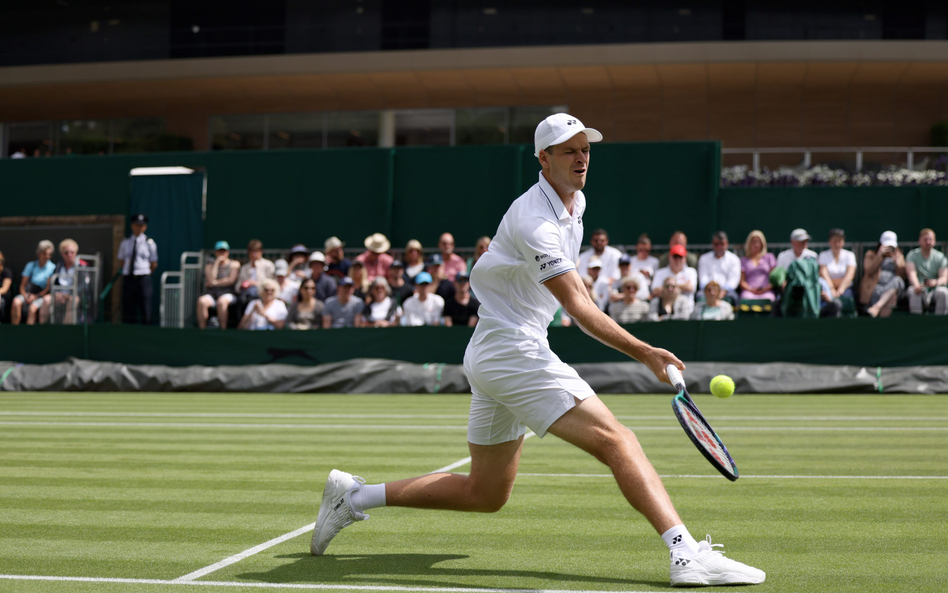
713, 308
720, 265
883, 273
630, 309
360, 281
34, 285
266, 312
381, 310
607, 256
480, 248
927, 271
289, 285
344, 309
139, 257
299, 263
837, 266
588, 283
461, 308
625, 269
254, 272
644, 262
220, 282
65, 295
6, 287
670, 303
376, 257
439, 281
337, 264
799, 241
453, 263
423, 308
325, 285
678, 238
756, 266
19, 154
306, 311
685, 277
414, 261
601, 286
401, 290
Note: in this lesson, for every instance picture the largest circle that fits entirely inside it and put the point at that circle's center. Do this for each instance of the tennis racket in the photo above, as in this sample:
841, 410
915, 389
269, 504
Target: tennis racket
697, 428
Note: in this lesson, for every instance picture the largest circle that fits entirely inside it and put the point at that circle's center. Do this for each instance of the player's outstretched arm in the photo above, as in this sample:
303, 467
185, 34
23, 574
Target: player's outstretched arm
570, 291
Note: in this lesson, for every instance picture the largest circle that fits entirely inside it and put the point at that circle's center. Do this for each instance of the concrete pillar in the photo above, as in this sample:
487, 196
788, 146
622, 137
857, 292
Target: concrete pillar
387, 129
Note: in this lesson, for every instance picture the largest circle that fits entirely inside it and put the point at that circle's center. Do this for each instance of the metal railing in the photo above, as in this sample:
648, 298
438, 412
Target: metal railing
180, 291
858, 152
74, 298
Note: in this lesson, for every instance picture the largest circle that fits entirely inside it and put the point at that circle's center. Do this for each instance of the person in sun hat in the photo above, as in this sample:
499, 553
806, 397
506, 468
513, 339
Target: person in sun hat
376, 257
220, 285
518, 382
337, 264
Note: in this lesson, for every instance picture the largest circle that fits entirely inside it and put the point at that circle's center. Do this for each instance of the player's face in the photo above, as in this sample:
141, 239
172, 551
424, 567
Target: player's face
569, 163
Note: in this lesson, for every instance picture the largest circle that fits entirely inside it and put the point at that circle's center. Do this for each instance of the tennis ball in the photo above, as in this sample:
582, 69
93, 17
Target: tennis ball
722, 386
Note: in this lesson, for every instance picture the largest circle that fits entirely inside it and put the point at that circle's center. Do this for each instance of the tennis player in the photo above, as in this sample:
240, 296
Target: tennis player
518, 383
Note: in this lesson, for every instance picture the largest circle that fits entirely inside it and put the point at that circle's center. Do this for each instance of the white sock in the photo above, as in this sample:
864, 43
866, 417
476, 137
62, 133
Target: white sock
679, 540
369, 496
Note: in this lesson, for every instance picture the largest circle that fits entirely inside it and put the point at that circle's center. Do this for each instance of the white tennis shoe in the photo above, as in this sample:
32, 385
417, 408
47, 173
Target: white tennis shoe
335, 510
710, 567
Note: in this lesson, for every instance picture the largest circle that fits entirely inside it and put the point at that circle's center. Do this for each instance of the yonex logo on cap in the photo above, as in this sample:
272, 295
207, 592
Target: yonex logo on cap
559, 128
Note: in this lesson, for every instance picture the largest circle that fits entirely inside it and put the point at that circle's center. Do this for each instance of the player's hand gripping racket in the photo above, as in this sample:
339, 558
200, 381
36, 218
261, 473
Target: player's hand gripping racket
698, 429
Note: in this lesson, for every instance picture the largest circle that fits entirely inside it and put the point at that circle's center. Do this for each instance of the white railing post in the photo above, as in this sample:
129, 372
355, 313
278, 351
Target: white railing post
807, 159
756, 161
858, 160
910, 160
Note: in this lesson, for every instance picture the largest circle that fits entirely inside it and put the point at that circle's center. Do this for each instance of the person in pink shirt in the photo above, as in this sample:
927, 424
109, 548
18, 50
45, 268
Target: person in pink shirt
375, 258
453, 263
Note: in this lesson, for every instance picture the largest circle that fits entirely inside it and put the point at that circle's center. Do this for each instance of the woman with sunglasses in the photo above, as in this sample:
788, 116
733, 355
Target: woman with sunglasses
306, 311
380, 309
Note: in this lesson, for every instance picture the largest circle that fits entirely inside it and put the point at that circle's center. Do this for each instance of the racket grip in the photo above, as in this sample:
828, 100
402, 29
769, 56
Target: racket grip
674, 375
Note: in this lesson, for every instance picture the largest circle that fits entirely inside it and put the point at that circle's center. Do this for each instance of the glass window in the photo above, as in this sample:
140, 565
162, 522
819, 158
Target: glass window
295, 130
524, 120
354, 128
480, 126
84, 136
146, 134
431, 127
237, 132
30, 139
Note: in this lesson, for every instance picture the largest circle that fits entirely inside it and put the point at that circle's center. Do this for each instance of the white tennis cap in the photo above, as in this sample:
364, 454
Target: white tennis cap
559, 128
889, 239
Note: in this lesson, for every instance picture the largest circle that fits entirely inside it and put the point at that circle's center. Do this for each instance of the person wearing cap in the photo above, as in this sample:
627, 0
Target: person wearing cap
298, 263
679, 238
256, 270
686, 277
453, 263
883, 276
289, 285
414, 260
641, 282
139, 256
608, 256
461, 308
376, 257
602, 287
799, 240
220, 283
337, 264
441, 285
424, 308
343, 309
720, 265
325, 285
401, 289
517, 382
927, 272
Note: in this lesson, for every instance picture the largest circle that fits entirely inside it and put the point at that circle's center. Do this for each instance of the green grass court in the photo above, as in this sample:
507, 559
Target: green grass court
838, 494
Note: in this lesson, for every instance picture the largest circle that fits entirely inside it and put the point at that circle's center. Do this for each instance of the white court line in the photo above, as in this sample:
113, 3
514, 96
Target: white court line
775, 477
16, 577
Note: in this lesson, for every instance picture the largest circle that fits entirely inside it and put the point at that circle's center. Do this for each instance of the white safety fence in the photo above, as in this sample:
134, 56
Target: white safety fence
180, 291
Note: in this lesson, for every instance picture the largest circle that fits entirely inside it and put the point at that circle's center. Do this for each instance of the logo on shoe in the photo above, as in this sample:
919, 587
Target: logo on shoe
338, 504
681, 562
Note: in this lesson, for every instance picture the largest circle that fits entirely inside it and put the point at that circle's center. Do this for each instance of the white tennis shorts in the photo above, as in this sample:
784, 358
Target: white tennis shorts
517, 382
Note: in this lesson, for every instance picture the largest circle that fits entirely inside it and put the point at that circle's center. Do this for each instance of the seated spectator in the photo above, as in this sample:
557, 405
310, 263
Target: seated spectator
480, 248
631, 308
670, 303
360, 281
453, 263
289, 285
220, 283
644, 262
325, 285
837, 266
337, 264
414, 261
678, 238
883, 270
927, 271
299, 263
799, 240
344, 309
266, 312
461, 308
305, 311
423, 308
6, 287
756, 266
381, 310
401, 290
255, 271
376, 258
34, 285
608, 257
625, 270
712, 308
685, 277
601, 287
442, 286
720, 266
64, 297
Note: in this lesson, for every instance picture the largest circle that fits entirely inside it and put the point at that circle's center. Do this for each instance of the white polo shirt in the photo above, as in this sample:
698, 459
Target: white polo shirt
537, 240
610, 262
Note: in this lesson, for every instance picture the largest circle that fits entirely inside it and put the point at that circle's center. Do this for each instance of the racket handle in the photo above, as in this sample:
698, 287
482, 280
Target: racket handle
674, 375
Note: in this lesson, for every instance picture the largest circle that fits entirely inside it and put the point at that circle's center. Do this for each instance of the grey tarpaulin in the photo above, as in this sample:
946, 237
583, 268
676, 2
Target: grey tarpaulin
389, 376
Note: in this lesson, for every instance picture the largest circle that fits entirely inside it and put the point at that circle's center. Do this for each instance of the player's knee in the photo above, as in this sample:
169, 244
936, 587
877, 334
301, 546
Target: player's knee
493, 502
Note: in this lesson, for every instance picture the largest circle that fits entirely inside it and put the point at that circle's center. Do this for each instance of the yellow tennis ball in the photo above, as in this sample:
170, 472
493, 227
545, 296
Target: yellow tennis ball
722, 386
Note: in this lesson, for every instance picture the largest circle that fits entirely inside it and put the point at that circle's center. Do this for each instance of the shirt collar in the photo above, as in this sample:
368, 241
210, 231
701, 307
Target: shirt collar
558, 208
